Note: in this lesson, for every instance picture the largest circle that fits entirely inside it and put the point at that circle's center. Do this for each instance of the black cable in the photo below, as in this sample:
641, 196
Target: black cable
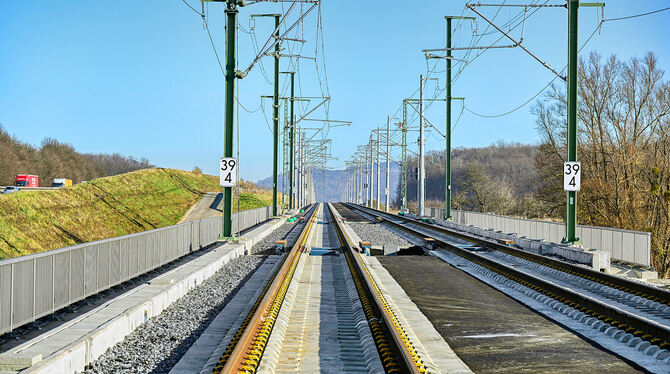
542, 90
192, 8
637, 15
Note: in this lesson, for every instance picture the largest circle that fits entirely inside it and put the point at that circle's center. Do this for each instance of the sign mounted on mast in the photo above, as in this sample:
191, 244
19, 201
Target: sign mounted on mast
228, 172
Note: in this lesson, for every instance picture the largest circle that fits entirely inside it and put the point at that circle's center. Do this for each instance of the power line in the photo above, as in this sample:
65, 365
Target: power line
637, 15
189, 5
460, 70
464, 64
515, 109
255, 47
218, 60
247, 110
213, 46
539, 92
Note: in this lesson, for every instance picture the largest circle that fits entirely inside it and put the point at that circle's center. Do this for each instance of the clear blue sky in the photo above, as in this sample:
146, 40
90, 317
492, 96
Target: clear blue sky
140, 77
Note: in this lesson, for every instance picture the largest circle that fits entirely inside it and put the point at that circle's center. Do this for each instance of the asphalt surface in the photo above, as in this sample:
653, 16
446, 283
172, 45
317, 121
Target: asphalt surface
208, 206
488, 330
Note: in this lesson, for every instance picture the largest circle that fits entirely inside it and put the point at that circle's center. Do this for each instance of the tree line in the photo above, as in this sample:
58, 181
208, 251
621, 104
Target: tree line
53, 159
500, 178
623, 146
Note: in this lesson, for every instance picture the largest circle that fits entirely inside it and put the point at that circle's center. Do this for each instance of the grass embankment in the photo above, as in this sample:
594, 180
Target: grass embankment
36, 221
251, 197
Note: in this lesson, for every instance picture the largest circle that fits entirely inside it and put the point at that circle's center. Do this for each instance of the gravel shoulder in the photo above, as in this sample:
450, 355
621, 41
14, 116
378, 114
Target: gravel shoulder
157, 345
377, 234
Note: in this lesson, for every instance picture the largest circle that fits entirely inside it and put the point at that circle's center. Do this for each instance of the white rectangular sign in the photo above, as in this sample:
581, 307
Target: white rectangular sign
228, 172
572, 175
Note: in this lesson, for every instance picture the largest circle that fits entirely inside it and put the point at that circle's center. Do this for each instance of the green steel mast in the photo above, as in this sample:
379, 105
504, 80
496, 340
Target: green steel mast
403, 158
291, 141
275, 113
229, 116
275, 122
571, 198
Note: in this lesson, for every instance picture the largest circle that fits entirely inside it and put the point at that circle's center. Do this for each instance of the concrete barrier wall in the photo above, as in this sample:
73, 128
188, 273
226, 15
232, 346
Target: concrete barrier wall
36, 285
623, 245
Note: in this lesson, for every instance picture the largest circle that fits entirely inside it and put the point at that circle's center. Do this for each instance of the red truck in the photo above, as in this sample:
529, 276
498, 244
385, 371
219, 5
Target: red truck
27, 180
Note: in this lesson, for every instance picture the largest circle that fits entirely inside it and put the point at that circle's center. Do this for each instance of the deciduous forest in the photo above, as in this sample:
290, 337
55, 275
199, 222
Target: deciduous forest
54, 159
624, 149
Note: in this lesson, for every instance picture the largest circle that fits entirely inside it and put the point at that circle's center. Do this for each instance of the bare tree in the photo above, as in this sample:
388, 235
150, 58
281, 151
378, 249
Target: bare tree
58, 160
623, 129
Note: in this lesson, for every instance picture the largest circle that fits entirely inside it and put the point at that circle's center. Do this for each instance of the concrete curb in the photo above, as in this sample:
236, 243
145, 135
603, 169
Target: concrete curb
596, 259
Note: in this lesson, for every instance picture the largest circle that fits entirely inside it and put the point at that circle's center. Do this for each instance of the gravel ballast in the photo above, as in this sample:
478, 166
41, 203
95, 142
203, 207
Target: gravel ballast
264, 247
377, 234
158, 344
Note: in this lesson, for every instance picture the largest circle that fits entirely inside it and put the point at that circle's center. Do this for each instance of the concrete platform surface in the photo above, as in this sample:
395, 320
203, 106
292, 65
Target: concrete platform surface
437, 355
488, 330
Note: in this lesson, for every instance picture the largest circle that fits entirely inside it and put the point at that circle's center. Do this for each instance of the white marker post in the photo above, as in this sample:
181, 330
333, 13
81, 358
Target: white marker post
228, 172
572, 176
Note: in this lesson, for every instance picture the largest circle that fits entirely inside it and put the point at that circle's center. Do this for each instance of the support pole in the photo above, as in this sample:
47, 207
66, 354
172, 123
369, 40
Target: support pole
378, 170
447, 150
571, 198
422, 171
403, 159
370, 177
275, 127
357, 186
361, 189
231, 28
355, 178
292, 145
300, 176
387, 190
366, 190
303, 178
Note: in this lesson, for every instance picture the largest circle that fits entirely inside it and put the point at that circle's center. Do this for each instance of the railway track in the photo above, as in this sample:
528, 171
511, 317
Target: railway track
321, 311
634, 314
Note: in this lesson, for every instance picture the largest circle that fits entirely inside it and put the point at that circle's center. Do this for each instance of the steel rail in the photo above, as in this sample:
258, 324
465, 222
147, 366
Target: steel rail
638, 289
641, 327
246, 356
412, 362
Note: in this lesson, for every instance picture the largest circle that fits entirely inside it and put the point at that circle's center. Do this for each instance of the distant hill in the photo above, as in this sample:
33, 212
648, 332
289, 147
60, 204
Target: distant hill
512, 163
58, 160
329, 184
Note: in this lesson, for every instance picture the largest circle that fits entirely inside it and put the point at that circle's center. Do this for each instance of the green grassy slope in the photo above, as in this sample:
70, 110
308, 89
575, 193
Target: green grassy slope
36, 221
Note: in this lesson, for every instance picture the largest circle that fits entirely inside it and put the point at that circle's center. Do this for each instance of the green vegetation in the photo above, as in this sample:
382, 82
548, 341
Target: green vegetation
250, 196
36, 221
249, 200
53, 159
624, 150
